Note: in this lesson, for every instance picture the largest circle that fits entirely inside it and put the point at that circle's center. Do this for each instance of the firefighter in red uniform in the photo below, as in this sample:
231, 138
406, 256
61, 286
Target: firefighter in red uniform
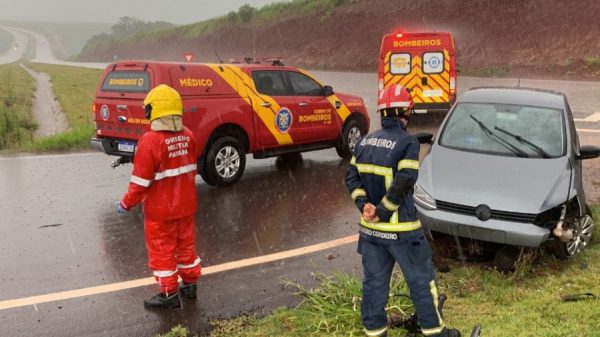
163, 180
380, 179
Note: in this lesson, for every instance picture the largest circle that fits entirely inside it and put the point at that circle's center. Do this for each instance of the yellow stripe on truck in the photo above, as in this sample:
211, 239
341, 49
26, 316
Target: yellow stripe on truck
343, 110
232, 75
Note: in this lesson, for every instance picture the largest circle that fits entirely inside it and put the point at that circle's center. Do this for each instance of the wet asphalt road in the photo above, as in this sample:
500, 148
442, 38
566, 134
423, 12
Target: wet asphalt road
62, 234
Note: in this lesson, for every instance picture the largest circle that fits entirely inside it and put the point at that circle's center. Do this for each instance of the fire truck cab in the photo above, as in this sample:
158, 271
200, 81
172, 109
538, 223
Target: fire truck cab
422, 62
233, 109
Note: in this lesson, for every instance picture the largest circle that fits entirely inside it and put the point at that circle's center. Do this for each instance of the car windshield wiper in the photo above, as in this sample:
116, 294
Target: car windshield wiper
499, 139
537, 149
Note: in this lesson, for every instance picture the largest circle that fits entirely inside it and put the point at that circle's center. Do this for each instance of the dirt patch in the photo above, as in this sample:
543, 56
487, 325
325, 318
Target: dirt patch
47, 112
544, 38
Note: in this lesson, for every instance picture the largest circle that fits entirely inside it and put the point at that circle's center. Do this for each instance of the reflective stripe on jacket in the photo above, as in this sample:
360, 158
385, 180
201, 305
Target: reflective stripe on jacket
383, 171
164, 175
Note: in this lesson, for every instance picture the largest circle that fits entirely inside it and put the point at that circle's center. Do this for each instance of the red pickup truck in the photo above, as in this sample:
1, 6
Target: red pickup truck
233, 109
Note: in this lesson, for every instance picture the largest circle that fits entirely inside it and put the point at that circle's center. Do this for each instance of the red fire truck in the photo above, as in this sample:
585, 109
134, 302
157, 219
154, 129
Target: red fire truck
422, 62
233, 109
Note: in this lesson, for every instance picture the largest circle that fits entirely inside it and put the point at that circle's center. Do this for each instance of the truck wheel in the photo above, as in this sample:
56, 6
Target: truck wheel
225, 162
351, 133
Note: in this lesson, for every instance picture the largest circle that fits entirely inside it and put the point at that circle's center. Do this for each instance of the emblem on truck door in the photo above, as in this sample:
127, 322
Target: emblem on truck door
283, 120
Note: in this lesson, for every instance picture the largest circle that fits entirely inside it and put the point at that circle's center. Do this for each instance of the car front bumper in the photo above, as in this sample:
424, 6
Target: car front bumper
504, 232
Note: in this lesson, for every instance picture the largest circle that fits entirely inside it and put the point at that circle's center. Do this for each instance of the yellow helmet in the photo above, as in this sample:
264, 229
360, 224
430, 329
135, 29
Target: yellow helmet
163, 101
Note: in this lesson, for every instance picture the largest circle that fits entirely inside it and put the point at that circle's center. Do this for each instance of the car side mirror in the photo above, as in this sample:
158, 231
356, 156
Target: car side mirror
327, 90
424, 137
588, 152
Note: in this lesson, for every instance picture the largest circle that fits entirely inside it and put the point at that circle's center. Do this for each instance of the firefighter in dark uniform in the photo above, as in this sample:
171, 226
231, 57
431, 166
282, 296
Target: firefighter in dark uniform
380, 179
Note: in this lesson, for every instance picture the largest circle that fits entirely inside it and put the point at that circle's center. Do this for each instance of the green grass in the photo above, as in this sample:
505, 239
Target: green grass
526, 303
244, 15
75, 89
16, 91
592, 61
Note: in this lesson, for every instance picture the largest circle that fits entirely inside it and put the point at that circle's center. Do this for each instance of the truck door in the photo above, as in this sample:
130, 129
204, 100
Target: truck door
315, 120
435, 81
275, 108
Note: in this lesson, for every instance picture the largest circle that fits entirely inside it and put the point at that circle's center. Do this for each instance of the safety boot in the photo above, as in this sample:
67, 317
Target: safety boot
162, 301
450, 333
188, 290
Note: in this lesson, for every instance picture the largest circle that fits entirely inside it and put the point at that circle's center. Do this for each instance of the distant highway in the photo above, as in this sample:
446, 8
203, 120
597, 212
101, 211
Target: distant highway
43, 51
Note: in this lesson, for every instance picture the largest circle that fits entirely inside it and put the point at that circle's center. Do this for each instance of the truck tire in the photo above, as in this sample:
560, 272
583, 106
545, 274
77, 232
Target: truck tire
225, 162
351, 133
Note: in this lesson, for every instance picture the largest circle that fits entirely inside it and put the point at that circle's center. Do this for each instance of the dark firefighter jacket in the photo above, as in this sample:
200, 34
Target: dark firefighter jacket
383, 171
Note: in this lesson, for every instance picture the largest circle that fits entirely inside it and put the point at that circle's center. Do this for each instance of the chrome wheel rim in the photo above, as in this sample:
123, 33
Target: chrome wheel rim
582, 233
227, 162
353, 137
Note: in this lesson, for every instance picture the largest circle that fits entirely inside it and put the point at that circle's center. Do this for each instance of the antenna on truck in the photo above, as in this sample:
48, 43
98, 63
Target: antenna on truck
219, 57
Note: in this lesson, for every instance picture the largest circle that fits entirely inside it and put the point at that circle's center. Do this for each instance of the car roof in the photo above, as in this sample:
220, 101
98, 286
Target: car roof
514, 95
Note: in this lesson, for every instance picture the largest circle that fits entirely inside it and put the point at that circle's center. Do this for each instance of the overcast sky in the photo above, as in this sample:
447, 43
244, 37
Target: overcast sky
109, 11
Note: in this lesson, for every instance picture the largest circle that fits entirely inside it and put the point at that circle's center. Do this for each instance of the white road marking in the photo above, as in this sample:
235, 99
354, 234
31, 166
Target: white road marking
588, 130
90, 291
595, 117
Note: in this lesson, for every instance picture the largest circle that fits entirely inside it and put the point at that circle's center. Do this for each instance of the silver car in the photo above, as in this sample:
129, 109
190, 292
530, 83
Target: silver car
505, 167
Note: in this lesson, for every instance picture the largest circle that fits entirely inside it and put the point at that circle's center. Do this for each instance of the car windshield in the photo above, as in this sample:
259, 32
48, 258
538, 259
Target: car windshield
505, 129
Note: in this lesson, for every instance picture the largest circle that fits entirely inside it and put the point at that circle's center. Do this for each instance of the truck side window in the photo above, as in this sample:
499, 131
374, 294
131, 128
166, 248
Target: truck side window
433, 63
269, 82
400, 64
304, 85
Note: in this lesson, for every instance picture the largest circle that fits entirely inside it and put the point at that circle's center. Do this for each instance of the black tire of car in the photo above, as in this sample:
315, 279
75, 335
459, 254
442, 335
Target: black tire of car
560, 248
231, 148
343, 146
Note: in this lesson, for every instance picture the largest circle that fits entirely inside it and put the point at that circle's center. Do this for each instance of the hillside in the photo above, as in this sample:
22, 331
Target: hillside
493, 38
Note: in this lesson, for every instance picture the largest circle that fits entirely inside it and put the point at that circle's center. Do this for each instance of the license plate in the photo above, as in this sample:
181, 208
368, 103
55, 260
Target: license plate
126, 147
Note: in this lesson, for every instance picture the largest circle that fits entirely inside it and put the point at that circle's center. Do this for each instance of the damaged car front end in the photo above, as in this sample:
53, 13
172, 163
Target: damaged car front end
506, 168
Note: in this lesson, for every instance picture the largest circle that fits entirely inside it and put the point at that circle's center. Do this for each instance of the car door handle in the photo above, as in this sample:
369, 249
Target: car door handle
266, 104
303, 104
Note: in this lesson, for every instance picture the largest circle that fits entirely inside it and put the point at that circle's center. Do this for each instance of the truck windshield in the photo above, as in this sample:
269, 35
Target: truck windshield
126, 81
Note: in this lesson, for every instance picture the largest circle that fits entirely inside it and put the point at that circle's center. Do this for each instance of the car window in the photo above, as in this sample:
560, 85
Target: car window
544, 127
304, 85
270, 82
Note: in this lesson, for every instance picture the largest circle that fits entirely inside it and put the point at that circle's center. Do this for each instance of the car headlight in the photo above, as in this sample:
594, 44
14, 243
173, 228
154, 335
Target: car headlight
423, 198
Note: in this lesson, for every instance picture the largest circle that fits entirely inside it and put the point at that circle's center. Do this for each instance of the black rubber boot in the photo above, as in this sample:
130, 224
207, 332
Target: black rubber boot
450, 333
162, 301
188, 290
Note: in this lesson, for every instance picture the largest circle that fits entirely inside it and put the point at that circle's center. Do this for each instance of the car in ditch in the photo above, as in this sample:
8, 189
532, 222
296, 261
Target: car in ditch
505, 167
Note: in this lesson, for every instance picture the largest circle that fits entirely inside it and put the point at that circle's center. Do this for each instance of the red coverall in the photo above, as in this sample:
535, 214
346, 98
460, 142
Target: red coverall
163, 179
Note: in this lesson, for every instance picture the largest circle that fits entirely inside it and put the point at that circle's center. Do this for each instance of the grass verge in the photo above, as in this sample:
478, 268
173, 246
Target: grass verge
527, 303
16, 91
